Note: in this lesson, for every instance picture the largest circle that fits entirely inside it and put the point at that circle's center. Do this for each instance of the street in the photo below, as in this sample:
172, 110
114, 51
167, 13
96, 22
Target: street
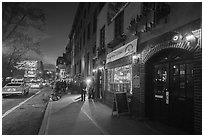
23, 114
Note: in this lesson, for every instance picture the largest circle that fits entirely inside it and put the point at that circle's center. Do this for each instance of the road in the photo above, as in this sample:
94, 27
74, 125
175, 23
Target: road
22, 115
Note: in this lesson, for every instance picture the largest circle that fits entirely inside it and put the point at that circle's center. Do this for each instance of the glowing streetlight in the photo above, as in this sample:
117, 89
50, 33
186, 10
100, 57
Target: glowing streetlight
100, 68
88, 81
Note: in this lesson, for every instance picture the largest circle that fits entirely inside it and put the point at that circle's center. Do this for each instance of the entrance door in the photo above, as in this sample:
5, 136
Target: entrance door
161, 92
172, 88
182, 94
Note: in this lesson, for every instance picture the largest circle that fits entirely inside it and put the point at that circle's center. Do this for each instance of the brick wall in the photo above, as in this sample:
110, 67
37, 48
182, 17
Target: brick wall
108, 99
197, 77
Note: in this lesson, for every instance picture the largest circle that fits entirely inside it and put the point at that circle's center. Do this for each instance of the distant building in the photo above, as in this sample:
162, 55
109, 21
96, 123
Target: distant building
68, 60
61, 67
32, 69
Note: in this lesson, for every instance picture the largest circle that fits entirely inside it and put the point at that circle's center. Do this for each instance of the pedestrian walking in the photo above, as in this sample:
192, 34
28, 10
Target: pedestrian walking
56, 91
83, 90
63, 86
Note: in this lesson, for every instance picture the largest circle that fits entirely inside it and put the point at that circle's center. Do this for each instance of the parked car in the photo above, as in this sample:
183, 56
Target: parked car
15, 88
6, 81
36, 85
17, 80
45, 84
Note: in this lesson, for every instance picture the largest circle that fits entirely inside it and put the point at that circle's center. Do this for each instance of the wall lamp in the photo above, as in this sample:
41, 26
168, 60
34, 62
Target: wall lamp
100, 68
94, 70
135, 58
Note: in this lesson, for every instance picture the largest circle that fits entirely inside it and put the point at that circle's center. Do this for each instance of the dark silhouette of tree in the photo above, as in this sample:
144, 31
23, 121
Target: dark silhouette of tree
18, 15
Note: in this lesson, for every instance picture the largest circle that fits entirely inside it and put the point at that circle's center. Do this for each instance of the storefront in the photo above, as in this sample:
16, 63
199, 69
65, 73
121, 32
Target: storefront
119, 70
172, 84
119, 79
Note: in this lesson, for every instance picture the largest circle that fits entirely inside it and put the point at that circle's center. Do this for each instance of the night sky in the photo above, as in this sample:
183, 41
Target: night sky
59, 16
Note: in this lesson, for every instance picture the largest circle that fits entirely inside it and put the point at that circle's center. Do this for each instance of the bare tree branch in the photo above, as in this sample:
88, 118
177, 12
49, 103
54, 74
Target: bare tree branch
15, 27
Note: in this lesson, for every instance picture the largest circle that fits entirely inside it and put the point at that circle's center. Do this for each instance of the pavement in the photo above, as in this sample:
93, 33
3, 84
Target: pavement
71, 116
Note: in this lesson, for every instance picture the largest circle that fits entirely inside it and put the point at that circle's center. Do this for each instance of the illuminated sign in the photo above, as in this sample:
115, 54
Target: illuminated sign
123, 51
27, 65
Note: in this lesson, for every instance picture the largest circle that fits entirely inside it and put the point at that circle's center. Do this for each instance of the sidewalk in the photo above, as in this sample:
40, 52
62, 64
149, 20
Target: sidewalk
70, 116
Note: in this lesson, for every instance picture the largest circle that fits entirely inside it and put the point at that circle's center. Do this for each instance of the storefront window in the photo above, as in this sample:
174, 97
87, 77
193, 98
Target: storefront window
119, 79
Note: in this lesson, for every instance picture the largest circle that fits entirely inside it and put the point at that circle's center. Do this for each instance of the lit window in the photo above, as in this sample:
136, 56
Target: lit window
119, 79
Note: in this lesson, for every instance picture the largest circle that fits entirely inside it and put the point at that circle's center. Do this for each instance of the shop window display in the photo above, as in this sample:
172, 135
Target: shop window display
119, 79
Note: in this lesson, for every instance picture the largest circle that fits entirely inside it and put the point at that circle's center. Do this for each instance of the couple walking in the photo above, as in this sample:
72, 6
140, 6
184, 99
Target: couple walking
87, 88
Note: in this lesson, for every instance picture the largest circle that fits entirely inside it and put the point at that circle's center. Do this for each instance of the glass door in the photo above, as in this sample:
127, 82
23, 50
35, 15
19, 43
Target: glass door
161, 92
182, 94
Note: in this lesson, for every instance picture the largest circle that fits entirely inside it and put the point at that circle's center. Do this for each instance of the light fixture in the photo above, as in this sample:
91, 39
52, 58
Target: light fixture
190, 37
177, 37
136, 58
100, 68
88, 81
94, 70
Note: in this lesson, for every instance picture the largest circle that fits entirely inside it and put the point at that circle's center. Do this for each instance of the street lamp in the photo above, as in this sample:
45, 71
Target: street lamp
100, 68
88, 81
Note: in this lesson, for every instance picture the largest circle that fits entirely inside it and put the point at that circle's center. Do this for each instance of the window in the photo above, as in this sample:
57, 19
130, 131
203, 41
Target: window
93, 63
88, 32
94, 49
119, 22
102, 37
80, 43
84, 13
88, 64
80, 66
75, 69
84, 37
94, 21
119, 79
89, 6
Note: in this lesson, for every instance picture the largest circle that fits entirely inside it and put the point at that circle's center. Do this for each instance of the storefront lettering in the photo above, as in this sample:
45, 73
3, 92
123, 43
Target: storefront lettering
123, 51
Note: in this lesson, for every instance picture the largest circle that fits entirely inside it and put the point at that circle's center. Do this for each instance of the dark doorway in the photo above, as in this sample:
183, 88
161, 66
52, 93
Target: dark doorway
169, 88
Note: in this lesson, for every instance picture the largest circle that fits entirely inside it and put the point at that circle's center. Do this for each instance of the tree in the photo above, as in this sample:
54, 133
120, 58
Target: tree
18, 15
20, 24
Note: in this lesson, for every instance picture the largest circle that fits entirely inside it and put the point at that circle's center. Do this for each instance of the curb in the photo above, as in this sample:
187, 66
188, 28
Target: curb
44, 125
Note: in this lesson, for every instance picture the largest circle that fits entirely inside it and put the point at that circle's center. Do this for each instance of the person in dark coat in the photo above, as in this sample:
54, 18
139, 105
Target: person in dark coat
57, 89
83, 90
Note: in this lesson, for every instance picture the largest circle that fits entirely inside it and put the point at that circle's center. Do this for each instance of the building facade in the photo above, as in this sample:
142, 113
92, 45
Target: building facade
68, 61
83, 40
152, 51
